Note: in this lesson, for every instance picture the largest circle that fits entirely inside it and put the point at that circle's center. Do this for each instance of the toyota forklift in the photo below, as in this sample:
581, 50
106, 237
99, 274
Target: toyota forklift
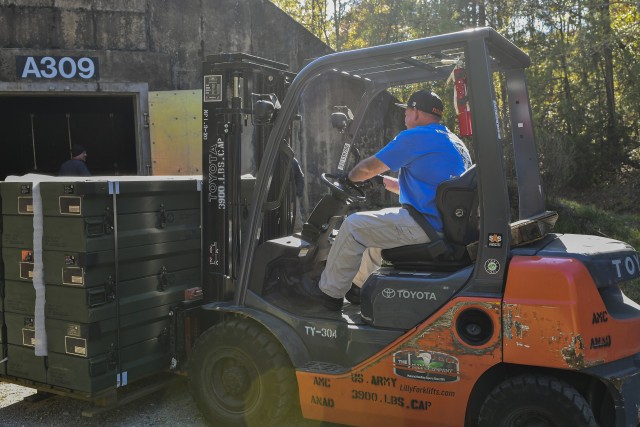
499, 322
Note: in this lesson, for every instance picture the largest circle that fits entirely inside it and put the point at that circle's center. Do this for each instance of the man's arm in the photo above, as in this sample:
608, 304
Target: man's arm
367, 169
370, 167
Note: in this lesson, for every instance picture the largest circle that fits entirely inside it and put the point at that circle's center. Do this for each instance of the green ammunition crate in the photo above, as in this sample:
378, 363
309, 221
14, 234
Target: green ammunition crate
83, 305
18, 231
3, 330
87, 305
91, 197
3, 345
20, 329
99, 268
92, 339
98, 374
18, 264
23, 363
20, 297
88, 375
134, 195
16, 198
2, 291
94, 234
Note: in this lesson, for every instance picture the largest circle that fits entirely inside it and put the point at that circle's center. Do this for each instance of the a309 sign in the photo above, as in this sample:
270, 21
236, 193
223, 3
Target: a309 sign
56, 67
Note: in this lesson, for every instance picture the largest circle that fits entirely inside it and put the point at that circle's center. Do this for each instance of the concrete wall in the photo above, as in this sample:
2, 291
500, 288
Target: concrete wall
162, 42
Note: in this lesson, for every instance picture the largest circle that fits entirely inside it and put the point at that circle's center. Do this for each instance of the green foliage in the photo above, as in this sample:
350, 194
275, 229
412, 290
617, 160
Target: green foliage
579, 218
583, 80
632, 290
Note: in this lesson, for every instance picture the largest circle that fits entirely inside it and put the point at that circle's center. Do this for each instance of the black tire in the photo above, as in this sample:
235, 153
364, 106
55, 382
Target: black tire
535, 401
239, 375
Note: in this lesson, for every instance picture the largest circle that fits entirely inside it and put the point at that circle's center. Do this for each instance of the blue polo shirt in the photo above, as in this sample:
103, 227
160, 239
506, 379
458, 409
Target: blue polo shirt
425, 157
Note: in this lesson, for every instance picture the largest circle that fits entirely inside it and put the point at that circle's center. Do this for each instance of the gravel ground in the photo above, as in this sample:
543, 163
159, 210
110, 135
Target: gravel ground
171, 406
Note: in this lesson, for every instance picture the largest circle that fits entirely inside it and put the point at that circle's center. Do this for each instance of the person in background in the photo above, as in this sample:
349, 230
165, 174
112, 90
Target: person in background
77, 165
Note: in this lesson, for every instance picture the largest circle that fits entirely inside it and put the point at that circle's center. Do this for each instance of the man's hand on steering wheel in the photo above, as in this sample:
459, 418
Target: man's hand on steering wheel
373, 183
343, 188
377, 181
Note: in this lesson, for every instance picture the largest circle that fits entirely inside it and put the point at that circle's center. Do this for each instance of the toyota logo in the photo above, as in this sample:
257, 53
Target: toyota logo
388, 293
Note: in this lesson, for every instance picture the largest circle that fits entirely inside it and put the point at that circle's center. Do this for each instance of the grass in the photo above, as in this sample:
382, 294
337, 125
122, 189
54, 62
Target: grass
581, 218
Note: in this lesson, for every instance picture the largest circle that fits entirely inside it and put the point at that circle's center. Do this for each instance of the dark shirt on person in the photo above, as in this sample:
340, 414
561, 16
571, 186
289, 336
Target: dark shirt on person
74, 167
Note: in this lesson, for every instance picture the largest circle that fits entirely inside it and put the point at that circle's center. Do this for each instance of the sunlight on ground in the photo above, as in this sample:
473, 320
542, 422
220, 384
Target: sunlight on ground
11, 393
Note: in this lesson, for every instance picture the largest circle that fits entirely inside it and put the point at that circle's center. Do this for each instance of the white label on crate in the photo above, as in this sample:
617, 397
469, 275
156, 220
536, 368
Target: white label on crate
28, 337
75, 346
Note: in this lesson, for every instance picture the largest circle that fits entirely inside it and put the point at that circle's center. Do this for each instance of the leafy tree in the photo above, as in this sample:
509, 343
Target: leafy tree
583, 80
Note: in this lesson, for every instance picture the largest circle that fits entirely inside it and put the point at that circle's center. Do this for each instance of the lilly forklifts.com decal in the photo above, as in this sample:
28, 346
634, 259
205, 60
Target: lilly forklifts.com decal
426, 366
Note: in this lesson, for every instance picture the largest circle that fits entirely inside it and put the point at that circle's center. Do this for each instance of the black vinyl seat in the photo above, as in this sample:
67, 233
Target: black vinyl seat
457, 202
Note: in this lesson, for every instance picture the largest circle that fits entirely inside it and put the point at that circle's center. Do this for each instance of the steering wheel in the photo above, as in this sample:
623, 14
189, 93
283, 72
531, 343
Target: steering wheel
343, 189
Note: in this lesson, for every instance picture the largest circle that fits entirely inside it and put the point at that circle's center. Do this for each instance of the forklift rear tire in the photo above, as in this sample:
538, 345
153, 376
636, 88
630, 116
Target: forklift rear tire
535, 400
239, 375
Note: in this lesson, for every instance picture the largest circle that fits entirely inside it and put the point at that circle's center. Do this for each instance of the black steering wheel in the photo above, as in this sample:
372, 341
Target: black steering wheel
343, 189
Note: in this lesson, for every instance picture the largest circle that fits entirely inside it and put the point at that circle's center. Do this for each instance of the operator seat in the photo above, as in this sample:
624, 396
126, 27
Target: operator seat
457, 202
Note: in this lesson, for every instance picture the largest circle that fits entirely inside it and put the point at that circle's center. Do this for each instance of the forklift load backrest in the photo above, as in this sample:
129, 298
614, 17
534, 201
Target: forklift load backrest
457, 202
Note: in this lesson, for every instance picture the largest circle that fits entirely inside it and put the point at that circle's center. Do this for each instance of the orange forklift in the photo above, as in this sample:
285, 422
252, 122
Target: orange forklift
499, 323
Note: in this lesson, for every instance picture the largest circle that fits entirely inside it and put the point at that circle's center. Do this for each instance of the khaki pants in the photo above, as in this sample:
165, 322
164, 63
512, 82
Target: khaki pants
355, 254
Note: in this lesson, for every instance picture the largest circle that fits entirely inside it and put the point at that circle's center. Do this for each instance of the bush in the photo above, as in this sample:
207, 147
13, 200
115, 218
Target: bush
557, 160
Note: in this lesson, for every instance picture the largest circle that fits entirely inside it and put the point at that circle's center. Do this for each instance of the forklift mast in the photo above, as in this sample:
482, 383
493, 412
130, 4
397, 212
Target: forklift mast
241, 96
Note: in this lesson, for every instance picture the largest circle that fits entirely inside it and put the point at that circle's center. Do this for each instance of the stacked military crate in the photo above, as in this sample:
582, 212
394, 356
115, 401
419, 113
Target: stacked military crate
116, 256
19, 293
3, 328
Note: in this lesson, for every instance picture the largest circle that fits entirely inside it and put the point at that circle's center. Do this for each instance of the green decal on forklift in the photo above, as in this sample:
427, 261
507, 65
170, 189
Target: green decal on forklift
492, 266
426, 366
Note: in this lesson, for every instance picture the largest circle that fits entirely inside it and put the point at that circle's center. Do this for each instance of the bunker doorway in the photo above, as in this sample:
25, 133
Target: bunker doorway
38, 131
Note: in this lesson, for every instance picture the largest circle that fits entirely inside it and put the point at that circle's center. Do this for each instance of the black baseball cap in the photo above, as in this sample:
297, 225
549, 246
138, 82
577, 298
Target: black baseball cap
425, 101
76, 150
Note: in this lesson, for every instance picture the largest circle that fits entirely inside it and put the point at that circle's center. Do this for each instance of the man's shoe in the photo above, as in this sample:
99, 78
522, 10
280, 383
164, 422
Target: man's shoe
353, 296
330, 303
310, 291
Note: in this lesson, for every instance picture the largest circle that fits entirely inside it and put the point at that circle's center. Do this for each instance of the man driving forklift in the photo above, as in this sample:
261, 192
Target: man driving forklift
425, 154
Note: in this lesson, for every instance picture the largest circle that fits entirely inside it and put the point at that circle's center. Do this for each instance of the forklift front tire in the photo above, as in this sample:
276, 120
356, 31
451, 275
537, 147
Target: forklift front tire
538, 400
239, 375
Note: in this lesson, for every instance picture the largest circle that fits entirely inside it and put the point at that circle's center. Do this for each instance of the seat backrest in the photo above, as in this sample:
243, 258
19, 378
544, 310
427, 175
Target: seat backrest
457, 202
